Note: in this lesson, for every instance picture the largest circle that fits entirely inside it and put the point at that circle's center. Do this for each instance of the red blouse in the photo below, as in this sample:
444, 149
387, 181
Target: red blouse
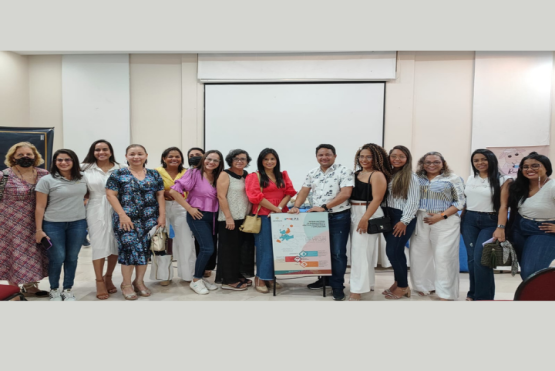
271, 193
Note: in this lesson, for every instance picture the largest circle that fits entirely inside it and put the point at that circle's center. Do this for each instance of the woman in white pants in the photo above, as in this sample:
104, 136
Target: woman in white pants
176, 216
434, 246
371, 181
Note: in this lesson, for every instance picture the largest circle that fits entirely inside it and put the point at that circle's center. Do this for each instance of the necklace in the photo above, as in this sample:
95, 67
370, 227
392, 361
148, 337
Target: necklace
34, 173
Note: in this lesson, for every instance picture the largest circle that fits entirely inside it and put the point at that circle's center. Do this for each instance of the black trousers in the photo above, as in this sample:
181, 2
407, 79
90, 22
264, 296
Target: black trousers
235, 254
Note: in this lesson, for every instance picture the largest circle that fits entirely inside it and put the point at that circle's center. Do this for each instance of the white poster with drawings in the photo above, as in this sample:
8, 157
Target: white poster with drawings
509, 157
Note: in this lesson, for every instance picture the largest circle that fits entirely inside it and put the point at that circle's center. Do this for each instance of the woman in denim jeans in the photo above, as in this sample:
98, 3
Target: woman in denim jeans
484, 217
201, 206
533, 227
60, 217
271, 189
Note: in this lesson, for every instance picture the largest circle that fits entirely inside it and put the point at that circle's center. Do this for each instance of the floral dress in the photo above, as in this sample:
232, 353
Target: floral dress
21, 260
138, 200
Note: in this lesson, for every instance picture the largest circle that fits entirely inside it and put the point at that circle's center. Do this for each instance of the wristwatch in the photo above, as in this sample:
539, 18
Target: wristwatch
501, 226
324, 206
444, 216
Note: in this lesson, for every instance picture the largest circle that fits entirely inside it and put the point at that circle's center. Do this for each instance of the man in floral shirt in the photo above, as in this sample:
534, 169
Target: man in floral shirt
331, 185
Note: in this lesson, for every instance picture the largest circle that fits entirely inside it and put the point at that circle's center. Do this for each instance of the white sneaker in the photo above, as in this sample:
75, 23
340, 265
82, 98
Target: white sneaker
210, 286
198, 287
55, 295
67, 295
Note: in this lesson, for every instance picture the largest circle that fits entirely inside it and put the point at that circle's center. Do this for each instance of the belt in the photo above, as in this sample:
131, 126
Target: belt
539, 219
484, 212
358, 203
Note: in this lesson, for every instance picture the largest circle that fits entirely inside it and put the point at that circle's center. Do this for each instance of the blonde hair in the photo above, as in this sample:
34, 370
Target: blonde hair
10, 156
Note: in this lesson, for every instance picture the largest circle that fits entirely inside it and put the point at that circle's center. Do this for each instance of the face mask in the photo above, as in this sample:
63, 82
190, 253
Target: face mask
193, 161
25, 161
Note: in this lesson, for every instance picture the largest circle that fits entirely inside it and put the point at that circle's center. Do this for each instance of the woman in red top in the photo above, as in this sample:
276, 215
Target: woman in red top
271, 189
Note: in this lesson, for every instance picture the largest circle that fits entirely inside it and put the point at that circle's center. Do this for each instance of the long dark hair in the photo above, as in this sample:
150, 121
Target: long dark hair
216, 172
380, 162
90, 159
264, 179
520, 188
493, 175
75, 171
167, 152
400, 182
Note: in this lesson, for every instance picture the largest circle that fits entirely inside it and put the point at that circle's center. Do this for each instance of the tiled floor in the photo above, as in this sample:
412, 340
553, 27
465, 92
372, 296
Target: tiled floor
293, 289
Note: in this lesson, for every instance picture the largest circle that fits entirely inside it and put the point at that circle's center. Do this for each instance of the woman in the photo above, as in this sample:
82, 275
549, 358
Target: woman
60, 217
183, 245
21, 260
372, 174
269, 190
97, 167
402, 204
434, 247
484, 217
137, 197
234, 207
201, 205
533, 227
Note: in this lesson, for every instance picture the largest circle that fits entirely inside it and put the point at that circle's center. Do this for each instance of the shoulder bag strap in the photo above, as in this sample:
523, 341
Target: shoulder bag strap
369, 190
261, 191
3, 183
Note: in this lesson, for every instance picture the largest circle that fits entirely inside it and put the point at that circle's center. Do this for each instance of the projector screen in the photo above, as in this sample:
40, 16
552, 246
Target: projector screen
293, 119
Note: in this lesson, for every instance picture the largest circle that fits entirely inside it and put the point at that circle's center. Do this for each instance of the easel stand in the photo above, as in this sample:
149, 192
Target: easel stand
319, 277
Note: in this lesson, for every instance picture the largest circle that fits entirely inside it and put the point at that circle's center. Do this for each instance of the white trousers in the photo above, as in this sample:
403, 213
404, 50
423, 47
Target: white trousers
183, 242
363, 248
434, 256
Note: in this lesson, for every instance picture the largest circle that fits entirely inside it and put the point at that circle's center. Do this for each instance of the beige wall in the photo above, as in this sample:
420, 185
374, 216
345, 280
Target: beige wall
14, 90
45, 94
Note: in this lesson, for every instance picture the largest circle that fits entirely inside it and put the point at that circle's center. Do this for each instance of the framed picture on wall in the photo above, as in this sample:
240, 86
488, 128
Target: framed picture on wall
42, 138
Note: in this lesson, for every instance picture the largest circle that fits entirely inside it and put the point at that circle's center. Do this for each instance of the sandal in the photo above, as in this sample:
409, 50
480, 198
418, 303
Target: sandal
247, 281
110, 285
423, 294
35, 291
101, 294
132, 296
351, 298
390, 290
405, 292
239, 286
146, 292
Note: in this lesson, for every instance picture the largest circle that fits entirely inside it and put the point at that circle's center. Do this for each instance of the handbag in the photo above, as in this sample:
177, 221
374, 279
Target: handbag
158, 241
162, 268
3, 182
378, 225
253, 223
499, 254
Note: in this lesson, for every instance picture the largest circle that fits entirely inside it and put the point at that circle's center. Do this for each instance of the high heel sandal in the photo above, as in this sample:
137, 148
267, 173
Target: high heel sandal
132, 296
406, 292
102, 295
113, 289
145, 293
390, 290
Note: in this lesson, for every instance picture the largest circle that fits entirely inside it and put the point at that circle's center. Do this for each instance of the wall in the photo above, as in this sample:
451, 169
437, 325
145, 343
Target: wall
14, 90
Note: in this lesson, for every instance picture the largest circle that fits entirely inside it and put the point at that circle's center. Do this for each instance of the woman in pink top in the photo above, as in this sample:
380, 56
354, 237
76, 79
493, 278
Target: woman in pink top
201, 205
271, 189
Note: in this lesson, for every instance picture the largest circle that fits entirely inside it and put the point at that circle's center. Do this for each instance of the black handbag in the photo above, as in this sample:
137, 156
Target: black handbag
378, 225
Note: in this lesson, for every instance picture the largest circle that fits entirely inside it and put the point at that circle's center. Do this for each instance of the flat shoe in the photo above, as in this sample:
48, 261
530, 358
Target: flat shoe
270, 285
262, 289
165, 283
241, 286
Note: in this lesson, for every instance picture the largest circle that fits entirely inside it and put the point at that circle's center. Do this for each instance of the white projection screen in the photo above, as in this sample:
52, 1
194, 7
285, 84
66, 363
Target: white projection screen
293, 119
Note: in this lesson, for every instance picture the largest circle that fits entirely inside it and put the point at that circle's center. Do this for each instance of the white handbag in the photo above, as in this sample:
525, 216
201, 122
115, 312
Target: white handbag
161, 268
158, 240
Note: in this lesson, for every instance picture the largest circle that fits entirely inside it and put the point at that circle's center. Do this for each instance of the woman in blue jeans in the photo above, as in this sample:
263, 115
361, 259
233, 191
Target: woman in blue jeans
269, 190
201, 205
484, 217
60, 218
533, 227
402, 202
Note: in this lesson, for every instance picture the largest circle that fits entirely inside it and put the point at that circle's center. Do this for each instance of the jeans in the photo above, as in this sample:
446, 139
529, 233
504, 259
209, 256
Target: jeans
477, 228
264, 250
203, 230
67, 239
538, 247
395, 247
340, 226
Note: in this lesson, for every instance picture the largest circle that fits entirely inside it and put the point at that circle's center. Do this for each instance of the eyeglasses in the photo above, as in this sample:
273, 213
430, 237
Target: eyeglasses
430, 163
212, 160
367, 158
240, 159
533, 167
395, 157
60, 160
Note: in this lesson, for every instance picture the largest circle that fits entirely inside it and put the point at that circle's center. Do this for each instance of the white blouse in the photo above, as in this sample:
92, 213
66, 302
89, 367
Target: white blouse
478, 193
541, 205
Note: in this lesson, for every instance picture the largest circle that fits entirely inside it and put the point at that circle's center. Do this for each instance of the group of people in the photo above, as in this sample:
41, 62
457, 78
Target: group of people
46, 216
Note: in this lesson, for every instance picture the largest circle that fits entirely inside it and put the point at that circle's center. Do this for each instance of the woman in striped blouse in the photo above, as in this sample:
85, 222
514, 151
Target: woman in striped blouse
434, 247
403, 199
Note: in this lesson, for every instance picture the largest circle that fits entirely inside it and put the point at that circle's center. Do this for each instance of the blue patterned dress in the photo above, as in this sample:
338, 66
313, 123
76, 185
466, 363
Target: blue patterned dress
138, 199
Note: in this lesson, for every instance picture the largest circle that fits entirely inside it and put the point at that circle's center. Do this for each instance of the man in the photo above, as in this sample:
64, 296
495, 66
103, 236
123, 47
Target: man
331, 186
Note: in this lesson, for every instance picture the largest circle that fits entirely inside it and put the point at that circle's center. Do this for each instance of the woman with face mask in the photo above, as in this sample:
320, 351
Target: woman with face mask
21, 260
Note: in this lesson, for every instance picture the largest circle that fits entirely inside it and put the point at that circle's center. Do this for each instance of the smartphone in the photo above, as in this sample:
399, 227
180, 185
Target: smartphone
45, 243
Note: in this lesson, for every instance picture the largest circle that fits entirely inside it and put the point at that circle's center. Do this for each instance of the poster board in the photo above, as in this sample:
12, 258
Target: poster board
301, 244
41, 138
509, 157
